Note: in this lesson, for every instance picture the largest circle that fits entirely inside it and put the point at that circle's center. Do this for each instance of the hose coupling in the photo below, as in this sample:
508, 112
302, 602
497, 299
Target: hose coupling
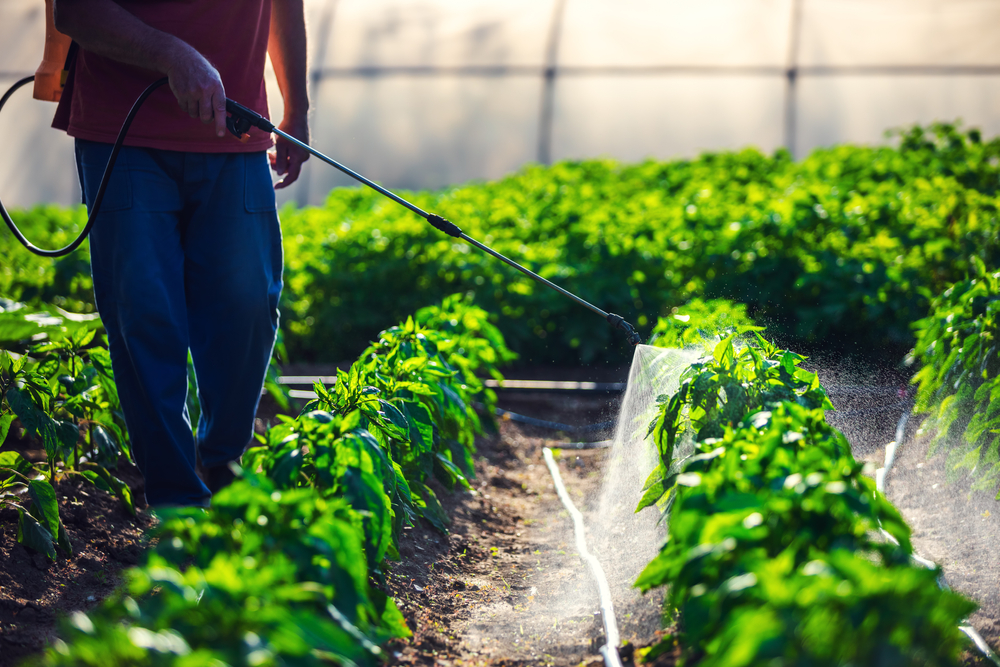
618, 322
446, 226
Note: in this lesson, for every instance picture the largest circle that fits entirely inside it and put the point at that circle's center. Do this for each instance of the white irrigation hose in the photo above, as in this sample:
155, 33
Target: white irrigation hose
610, 649
880, 482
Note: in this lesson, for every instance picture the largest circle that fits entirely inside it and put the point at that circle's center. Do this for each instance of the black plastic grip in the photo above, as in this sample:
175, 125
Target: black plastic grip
246, 115
449, 228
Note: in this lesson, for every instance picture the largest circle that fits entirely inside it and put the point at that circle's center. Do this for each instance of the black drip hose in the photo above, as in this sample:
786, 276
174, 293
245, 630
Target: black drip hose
104, 180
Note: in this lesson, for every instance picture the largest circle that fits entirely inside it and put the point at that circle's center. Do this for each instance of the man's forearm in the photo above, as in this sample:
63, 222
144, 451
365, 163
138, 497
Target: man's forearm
287, 48
104, 28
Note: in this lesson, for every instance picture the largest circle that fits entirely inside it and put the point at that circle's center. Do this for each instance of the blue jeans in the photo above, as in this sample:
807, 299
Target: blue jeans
186, 256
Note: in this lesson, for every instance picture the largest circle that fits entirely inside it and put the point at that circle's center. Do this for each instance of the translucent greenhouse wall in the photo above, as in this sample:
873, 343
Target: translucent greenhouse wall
426, 93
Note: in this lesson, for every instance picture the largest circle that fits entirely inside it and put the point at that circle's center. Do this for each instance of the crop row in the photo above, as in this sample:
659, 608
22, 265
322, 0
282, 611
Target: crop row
775, 551
843, 249
958, 348
280, 569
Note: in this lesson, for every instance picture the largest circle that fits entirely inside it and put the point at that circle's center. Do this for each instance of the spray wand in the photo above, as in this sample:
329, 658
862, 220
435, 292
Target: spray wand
239, 121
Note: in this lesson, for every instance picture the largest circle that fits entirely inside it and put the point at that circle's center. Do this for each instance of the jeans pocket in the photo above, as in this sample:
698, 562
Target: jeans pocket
258, 192
92, 159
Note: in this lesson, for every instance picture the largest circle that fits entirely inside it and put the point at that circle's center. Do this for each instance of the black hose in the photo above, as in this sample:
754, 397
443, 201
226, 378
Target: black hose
104, 180
568, 428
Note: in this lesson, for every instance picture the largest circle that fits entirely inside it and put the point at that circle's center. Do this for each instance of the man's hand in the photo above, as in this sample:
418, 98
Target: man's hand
198, 88
287, 47
287, 158
105, 28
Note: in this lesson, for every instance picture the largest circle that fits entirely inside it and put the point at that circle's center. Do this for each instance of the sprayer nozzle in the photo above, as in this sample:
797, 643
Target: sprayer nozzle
618, 322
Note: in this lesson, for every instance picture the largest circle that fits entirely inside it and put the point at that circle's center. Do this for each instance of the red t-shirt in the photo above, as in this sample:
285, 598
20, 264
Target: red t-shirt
231, 34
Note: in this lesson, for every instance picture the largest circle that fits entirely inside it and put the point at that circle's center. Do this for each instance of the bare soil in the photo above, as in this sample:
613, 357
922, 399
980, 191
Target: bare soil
953, 526
35, 592
506, 586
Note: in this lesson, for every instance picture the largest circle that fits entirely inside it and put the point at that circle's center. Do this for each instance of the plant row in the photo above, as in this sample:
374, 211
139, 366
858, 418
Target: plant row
958, 347
56, 386
281, 569
843, 249
780, 550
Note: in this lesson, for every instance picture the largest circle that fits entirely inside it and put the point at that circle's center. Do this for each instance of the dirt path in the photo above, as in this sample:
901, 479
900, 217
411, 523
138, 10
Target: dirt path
957, 528
506, 587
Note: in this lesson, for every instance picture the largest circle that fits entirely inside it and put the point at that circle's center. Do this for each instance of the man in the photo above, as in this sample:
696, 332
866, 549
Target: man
186, 252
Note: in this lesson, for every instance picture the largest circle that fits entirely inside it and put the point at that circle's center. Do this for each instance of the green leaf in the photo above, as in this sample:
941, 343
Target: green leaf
59, 437
286, 469
97, 480
364, 491
33, 534
85, 338
655, 574
448, 472
15, 462
421, 424
63, 541
395, 416
723, 351
656, 491
430, 508
107, 448
45, 506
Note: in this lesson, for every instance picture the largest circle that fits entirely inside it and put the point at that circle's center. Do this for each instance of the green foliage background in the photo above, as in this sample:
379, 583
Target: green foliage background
843, 249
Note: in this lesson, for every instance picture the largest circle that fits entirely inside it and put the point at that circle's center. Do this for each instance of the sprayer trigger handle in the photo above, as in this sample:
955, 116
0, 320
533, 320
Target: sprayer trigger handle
241, 119
238, 127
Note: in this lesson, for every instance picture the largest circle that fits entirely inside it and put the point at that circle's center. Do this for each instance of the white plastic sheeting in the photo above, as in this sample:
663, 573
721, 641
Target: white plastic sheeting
425, 93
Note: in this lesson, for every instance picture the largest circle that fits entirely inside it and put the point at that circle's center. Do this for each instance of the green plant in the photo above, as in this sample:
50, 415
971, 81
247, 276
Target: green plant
773, 525
267, 577
717, 393
774, 529
701, 322
470, 340
56, 380
841, 249
338, 457
23, 489
958, 346
403, 414
277, 571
